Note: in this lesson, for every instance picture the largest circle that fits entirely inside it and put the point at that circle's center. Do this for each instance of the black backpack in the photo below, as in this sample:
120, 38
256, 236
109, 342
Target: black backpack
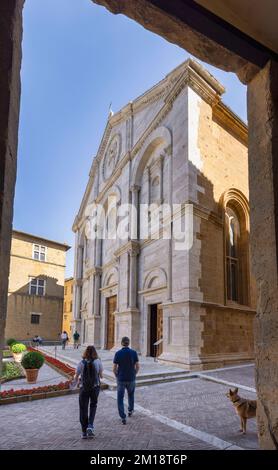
89, 376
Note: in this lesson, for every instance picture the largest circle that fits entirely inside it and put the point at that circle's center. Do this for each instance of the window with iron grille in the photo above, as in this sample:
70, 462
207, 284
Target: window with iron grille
35, 319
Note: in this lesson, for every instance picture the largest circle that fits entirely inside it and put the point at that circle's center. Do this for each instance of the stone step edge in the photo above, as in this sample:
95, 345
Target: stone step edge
109, 374
146, 382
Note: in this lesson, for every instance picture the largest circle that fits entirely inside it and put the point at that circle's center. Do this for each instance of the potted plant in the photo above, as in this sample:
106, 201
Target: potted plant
32, 362
11, 342
18, 349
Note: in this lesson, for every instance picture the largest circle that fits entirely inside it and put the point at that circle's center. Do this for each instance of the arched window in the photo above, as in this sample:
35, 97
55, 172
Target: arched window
232, 254
237, 249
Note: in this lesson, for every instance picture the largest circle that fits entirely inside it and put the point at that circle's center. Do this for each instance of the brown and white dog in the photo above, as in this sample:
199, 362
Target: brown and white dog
244, 408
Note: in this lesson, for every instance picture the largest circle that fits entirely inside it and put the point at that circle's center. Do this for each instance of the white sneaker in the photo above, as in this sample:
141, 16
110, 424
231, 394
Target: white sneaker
90, 432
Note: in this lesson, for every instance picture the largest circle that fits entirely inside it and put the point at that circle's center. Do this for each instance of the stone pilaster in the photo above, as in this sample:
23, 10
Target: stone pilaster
97, 285
10, 53
263, 181
133, 253
134, 212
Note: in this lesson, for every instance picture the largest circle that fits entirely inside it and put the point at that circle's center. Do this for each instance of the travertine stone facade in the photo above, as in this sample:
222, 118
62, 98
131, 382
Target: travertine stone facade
176, 144
36, 287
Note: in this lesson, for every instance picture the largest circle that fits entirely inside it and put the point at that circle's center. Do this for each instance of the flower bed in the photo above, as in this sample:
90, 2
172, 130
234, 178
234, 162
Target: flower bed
32, 391
46, 391
61, 367
11, 371
37, 393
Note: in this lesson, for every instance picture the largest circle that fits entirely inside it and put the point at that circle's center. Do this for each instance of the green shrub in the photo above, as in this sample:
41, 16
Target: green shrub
11, 341
18, 348
11, 370
7, 353
32, 360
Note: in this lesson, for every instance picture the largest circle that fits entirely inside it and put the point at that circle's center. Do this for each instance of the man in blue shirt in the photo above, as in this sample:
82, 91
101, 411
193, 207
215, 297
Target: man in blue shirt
125, 368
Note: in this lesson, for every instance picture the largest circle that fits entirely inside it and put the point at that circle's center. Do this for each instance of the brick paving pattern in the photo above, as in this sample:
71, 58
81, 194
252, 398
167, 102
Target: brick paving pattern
202, 405
243, 375
54, 424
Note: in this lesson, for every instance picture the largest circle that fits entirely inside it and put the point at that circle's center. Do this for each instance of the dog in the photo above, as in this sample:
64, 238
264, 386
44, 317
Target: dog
244, 408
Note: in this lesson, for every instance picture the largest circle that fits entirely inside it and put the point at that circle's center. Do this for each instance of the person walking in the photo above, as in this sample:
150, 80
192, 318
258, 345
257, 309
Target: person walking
64, 339
125, 368
88, 373
76, 337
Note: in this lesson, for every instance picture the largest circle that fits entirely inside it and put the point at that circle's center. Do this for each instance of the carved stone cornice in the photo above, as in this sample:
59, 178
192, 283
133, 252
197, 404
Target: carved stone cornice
226, 118
131, 246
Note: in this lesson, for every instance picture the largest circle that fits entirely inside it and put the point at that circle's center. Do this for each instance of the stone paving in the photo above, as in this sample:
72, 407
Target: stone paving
202, 405
47, 376
244, 375
167, 412
53, 424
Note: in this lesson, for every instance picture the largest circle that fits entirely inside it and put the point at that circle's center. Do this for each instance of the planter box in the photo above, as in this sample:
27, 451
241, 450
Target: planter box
40, 396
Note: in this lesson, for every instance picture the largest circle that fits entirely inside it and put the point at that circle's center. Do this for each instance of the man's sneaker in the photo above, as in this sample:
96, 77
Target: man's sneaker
130, 413
124, 421
84, 435
90, 432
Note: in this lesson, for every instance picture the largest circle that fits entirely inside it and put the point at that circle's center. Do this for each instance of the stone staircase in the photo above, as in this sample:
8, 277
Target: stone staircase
147, 375
144, 380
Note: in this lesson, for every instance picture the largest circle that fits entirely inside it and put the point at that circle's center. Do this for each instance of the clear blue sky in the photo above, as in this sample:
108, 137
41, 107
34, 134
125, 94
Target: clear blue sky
77, 58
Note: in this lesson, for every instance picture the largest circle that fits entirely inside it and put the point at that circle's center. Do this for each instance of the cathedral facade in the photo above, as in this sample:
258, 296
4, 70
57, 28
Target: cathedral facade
167, 262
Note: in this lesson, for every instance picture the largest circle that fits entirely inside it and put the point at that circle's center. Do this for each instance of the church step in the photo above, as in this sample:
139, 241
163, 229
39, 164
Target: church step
153, 375
150, 381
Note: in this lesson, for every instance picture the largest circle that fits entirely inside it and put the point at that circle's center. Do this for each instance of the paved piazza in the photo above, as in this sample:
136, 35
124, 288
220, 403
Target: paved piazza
190, 414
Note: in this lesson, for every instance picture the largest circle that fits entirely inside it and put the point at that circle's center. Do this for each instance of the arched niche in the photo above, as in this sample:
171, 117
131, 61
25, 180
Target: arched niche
155, 279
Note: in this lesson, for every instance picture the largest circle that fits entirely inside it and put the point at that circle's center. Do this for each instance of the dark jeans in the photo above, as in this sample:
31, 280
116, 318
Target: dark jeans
84, 399
121, 387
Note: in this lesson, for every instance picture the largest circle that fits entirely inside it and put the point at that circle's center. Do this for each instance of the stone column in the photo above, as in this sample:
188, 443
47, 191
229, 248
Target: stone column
134, 212
133, 252
263, 180
80, 260
10, 53
161, 160
97, 277
170, 263
76, 320
149, 184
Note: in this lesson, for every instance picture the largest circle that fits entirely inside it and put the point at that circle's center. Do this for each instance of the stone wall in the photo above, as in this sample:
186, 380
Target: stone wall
19, 324
263, 153
10, 53
20, 303
227, 335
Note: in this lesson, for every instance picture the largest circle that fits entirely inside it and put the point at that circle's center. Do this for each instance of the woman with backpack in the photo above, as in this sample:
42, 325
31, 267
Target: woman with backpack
88, 373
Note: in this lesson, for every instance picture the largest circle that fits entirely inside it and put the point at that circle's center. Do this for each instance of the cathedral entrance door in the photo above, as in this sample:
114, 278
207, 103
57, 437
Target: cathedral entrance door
156, 329
111, 308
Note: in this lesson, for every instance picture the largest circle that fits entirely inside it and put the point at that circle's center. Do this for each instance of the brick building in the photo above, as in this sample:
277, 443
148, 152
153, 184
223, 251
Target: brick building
36, 287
